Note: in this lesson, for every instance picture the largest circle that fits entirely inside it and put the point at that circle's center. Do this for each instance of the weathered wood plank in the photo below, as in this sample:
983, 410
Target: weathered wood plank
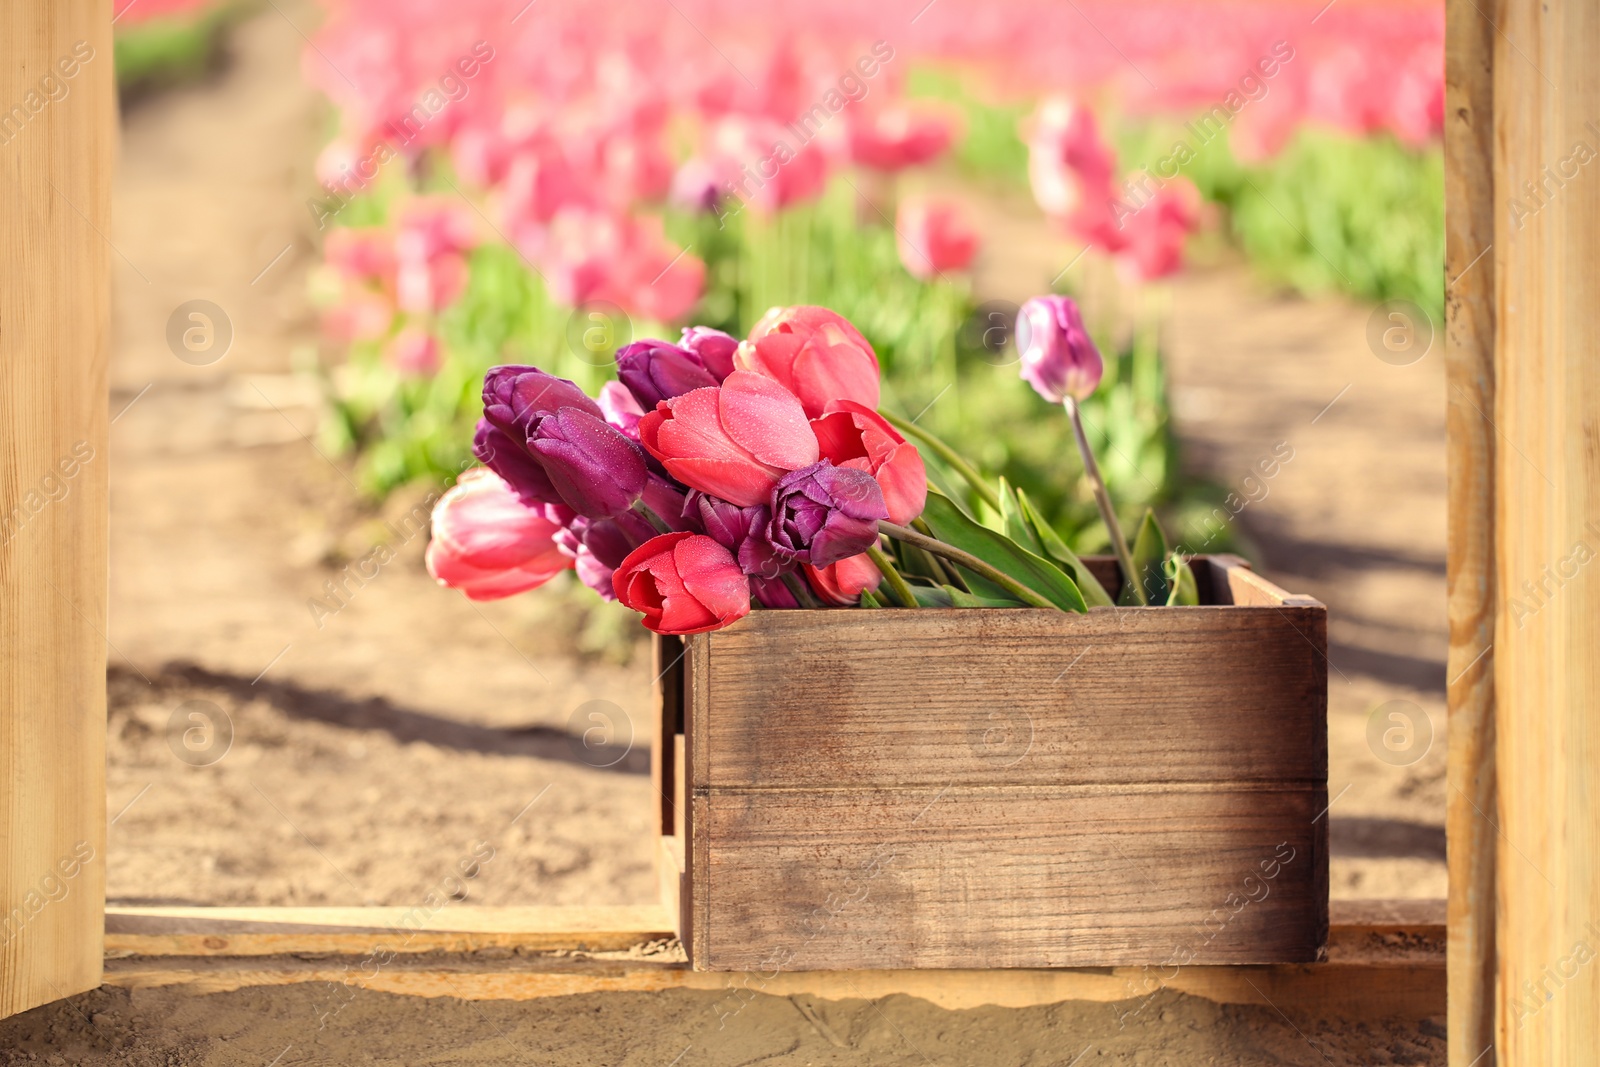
1219, 694
201, 931
1470, 572
965, 876
56, 151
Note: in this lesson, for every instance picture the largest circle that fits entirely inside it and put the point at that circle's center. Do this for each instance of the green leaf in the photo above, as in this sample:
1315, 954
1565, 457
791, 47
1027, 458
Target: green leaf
1149, 550
1054, 548
962, 599
931, 596
1013, 524
1180, 576
1039, 575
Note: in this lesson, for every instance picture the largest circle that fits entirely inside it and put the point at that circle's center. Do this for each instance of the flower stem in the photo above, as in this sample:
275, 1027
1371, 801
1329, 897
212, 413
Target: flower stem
1108, 514
891, 577
797, 586
969, 561
949, 455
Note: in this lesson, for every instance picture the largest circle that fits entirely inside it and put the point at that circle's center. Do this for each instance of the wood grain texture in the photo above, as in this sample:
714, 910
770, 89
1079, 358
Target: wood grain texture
1547, 530
1011, 788
667, 666
56, 157
1380, 964
186, 931
1470, 572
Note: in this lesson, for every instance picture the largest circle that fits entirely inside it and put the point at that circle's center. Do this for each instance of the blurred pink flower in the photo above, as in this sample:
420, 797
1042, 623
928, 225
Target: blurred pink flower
1068, 161
934, 236
360, 254
898, 136
363, 315
1154, 236
413, 352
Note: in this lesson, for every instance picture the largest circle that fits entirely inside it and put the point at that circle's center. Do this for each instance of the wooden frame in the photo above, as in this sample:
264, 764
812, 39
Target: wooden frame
1384, 959
908, 789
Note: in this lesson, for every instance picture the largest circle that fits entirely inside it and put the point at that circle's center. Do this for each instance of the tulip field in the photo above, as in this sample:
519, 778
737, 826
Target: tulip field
485, 206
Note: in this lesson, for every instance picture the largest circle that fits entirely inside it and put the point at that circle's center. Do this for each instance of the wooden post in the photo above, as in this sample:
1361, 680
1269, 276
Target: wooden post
1547, 528
1469, 353
56, 129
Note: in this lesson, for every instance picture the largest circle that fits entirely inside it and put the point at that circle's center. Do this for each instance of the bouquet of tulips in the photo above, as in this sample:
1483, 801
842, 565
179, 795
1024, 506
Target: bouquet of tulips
716, 476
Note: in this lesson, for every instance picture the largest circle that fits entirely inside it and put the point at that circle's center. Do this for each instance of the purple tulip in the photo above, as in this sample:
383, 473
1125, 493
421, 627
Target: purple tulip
742, 531
514, 397
666, 498
772, 593
655, 371
822, 514
597, 471
598, 546
714, 348
1058, 357
511, 461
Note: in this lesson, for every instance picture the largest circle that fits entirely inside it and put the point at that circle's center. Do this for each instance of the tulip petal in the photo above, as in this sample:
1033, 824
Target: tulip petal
760, 415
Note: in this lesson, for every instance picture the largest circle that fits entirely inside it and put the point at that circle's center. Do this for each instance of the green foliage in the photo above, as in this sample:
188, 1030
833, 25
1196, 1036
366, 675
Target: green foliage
1361, 215
173, 49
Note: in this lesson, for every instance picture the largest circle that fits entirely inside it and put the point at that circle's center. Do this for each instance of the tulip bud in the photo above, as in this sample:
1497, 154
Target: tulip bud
514, 397
822, 514
683, 583
714, 348
655, 371
488, 544
511, 461
742, 531
597, 471
1058, 357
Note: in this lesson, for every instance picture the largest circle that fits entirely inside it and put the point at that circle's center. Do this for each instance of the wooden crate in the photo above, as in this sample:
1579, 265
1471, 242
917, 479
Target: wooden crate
1000, 788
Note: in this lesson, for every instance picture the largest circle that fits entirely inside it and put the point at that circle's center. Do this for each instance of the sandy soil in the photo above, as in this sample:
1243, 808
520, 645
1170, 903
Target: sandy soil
356, 761
277, 1026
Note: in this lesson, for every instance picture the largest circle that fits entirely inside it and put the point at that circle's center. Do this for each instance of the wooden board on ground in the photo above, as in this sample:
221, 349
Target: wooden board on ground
1384, 959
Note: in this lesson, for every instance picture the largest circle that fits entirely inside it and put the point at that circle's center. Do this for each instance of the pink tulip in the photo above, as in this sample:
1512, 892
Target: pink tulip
429, 285
734, 441
683, 583
897, 137
361, 316
360, 254
413, 352
488, 544
1154, 236
851, 435
814, 353
431, 226
1068, 161
842, 583
933, 236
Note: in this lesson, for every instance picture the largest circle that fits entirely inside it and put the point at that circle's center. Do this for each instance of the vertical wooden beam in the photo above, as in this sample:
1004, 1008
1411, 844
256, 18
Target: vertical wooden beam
1469, 355
56, 128
1547, 529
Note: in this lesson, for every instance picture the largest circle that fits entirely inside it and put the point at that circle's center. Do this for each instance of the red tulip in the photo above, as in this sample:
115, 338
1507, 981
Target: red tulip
843, 583
852, 435
933, 236
489, 544
683, 583
733, 441
814, 353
